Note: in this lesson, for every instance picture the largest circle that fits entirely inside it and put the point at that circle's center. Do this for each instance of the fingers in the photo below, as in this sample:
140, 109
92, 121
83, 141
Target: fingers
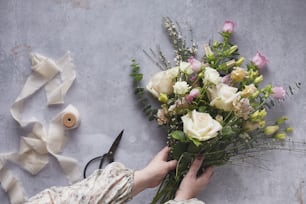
195, 166
171, 164
163, 154
207, 175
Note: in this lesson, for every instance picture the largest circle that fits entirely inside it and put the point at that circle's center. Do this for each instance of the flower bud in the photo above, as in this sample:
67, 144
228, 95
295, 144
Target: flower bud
254, 95
201, 75
258, 79
219, 118
262, 123
263, 113
230, 64
239, 61
194, 92
228, 26
195, 64
278, 92
233, 49
281, 136
270, 130
245, 136
281, 120
254, 116
163, 98
252, 74
215, 44
208, 52
289, 129
259, 60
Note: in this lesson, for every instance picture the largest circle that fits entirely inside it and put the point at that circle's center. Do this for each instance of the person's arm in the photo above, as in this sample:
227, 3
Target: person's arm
115, 184
192, 184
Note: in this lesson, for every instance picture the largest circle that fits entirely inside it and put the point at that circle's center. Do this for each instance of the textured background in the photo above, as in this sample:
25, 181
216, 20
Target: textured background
103, 36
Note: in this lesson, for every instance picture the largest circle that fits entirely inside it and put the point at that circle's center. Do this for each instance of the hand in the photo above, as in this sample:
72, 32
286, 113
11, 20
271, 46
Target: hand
191, 185
152, 175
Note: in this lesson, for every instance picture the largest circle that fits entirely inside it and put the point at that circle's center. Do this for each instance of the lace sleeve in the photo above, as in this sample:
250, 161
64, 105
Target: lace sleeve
191, 201
111, 185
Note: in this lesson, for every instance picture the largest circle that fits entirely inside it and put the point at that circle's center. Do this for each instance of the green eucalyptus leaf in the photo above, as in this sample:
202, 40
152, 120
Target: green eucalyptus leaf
227, 131
195, 141
178, 135
202, 109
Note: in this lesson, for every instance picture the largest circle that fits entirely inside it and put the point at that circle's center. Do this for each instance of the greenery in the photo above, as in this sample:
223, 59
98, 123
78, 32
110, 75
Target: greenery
222, 98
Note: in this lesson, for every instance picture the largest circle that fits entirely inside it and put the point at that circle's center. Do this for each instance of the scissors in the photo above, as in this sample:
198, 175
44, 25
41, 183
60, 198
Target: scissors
107, 156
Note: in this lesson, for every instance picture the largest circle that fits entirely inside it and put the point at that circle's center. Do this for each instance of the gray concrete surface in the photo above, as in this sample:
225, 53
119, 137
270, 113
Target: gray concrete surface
103, 36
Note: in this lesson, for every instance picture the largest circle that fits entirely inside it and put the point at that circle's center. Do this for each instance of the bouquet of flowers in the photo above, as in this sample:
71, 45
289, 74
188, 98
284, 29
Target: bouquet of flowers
213, 105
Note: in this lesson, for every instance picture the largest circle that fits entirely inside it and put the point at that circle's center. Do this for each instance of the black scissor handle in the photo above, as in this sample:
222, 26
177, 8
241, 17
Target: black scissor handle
92, 160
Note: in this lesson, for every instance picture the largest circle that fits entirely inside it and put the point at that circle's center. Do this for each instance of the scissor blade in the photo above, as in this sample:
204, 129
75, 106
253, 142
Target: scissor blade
115, 145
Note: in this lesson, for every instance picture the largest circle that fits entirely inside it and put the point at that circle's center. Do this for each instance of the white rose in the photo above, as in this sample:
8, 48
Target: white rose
222, 96
186, 68
181, 87
162, 82
200, 125
211, 76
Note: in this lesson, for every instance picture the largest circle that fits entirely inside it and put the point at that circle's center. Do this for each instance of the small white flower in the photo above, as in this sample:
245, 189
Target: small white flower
211, 76
186, 68
181, 87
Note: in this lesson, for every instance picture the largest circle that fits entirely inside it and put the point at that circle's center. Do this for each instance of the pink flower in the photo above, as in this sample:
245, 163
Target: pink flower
278, 92
259, 60
194, 93
229, 26
195, 64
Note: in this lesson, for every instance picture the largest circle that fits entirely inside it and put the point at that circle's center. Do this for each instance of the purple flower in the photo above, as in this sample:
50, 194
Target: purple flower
195, 64
259, 60
229, 26
278, 92
192, 77
227, 80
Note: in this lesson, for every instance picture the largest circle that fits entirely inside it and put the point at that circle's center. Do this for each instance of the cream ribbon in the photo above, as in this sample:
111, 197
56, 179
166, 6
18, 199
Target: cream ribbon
34, 148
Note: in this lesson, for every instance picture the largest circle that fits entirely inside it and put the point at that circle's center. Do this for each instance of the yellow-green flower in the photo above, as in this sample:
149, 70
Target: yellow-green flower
233, 49
281, 120
258, 116
230, 64
270, 130
239, 61
289, 129
262, 123
258, 79
208, 52
281, 136
163, 98
253, 74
